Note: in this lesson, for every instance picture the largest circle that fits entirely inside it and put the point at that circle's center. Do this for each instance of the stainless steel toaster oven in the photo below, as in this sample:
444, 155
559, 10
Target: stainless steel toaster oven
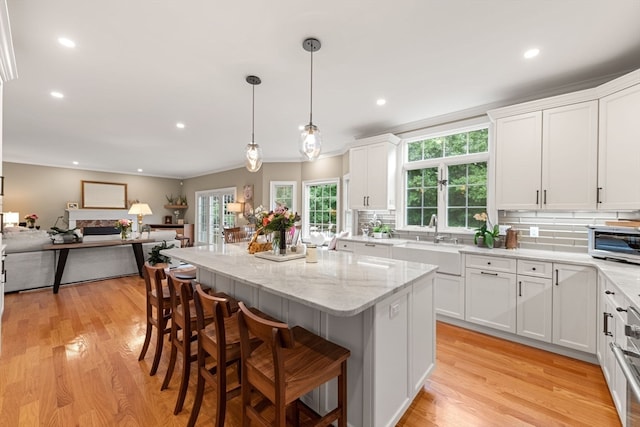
616, 243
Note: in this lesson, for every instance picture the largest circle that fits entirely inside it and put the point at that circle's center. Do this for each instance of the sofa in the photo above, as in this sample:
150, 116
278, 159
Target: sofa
28, 266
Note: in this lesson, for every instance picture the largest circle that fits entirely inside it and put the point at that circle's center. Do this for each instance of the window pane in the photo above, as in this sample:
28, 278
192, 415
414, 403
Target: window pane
414, 216
430, 177
457, 195
478, 141
414, 178
426, 216
456, 145
322, 206
433, 148
457, 217
414, 198
414, 151
430, 197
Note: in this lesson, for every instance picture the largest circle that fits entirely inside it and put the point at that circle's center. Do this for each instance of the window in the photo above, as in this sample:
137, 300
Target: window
320, 207
447, 176
212, 215
283, 193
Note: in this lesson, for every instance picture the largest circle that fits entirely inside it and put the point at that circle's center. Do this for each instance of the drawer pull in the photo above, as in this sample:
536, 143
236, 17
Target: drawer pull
533, 269
609, 292
520, 290
488, 274
488, 262
620, 309
373, 245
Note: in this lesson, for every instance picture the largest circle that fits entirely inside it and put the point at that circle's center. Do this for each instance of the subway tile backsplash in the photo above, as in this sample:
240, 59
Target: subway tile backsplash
557, 231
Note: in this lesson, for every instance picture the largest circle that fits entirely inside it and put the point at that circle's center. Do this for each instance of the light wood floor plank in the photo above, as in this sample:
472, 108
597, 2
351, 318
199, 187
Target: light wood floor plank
71, 359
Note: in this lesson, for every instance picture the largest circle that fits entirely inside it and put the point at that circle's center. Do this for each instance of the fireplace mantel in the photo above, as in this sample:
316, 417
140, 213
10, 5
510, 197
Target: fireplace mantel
75, 215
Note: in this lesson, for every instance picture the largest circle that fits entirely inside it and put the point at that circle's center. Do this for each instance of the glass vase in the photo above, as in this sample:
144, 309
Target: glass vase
123, 234
283, 242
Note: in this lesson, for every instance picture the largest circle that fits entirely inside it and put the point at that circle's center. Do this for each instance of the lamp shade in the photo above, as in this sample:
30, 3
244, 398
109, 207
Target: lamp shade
234, 207
140, 209
12, 218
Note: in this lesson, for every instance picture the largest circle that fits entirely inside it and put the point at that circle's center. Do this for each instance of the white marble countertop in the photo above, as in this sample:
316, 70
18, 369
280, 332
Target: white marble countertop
386, 241
340, 283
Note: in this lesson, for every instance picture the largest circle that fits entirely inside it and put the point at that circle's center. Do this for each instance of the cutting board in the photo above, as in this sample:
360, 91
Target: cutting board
625, 223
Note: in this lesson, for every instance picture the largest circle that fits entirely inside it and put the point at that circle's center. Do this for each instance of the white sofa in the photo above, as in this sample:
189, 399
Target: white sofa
27, 266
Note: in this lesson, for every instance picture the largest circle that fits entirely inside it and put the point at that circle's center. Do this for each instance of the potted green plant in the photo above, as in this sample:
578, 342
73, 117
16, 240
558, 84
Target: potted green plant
486, 235
381, 231
155, 257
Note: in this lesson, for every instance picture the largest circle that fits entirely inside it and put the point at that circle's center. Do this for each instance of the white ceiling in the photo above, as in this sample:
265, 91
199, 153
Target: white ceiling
141, 66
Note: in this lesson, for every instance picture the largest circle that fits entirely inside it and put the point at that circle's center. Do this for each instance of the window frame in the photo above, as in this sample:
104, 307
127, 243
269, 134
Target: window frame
294, 194
442, 164
305, 203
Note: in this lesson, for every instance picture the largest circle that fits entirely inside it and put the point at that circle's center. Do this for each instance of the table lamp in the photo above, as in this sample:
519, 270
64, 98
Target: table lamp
140, 209
235, 208
11, 219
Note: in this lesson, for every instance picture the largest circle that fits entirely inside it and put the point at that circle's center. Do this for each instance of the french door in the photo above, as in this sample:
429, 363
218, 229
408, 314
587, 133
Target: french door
212, 215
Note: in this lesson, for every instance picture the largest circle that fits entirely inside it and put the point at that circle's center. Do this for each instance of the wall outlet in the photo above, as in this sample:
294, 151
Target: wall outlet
504, 228
533, 231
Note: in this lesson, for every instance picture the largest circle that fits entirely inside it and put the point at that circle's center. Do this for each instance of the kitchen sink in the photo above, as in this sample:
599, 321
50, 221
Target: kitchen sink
445, 255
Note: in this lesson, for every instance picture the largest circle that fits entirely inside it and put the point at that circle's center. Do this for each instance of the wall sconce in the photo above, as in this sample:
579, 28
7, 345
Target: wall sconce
140, 209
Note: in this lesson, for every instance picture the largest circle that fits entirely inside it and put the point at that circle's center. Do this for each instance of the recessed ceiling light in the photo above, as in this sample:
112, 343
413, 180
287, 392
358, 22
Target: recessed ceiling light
75, 163
66, 42
531, 53
57, 94
381, 101
180, 125
139, 170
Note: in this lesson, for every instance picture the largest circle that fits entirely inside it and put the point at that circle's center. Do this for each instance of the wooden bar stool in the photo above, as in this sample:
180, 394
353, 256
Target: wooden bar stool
158, 310
183, 333
289, 364
219, 342
232, 235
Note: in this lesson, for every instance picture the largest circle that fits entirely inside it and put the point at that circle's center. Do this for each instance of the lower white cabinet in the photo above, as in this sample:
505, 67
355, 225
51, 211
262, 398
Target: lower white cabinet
491, 299
534, 308
371, 248
574, 307
449, 299
611, 322
550, 302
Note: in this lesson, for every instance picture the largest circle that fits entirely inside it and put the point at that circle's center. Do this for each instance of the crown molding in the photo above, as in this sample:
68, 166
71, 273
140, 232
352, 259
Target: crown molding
8, 70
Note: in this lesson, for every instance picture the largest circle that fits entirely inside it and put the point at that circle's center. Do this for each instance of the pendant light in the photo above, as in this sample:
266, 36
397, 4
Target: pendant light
253, 151
310, 139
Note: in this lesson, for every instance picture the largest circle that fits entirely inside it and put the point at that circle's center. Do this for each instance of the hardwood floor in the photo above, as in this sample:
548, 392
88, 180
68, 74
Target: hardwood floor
71, 360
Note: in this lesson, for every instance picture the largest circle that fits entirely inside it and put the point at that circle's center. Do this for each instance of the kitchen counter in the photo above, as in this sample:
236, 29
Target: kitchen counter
340, 284
380, 309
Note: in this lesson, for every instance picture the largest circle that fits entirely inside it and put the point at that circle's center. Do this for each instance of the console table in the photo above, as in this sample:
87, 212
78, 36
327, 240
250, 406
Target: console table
136, 245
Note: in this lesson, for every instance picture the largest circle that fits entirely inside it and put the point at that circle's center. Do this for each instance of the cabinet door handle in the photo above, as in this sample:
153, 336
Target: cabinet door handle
537, 197
364, 200
598, 195
520, 290
607, 292
488, 262
605, 329
373, 245
488, 274
545, 197
557, 277
533, 269
620, 309
367, 200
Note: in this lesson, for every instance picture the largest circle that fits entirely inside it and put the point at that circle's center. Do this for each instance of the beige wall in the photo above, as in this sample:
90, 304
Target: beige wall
45, 191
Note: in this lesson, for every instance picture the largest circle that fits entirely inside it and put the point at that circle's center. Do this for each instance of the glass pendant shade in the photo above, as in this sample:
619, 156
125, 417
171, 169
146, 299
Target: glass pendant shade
253, 160
310, 142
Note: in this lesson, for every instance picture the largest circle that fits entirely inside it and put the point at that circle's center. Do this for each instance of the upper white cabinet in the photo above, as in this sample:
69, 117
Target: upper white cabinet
372, 166
547, 159
619, 150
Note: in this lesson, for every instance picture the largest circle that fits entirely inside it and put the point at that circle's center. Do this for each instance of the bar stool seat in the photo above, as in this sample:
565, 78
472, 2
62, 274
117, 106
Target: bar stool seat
290, 363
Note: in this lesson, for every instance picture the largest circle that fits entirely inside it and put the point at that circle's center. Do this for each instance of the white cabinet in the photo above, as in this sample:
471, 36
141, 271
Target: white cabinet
534, 306
490, 294
402, 321
518, 157
548, 159
619, 150
370, 248
372, 169
611, 321
450, 292
574, 307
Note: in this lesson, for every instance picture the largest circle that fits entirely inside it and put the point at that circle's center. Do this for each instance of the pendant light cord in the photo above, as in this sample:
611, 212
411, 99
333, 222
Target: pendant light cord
311, 90
253, 109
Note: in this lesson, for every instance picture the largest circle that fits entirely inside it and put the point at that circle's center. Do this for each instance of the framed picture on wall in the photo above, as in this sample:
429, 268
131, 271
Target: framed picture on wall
72, 205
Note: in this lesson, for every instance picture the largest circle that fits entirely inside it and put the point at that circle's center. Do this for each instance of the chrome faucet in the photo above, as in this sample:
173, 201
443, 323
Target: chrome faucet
433, 222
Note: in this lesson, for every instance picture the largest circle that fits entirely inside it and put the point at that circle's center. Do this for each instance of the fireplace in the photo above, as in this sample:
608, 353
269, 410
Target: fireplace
82, 218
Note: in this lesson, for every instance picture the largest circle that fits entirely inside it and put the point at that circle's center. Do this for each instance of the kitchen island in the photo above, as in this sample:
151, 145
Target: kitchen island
380, 309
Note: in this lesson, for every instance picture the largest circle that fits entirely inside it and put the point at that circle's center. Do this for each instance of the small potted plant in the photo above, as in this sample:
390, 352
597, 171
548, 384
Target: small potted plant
66, 236
381, 231
485, 234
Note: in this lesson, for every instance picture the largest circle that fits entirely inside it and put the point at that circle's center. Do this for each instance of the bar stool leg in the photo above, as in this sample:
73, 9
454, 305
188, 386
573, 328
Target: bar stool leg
162, 325
342, 395
147, 337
